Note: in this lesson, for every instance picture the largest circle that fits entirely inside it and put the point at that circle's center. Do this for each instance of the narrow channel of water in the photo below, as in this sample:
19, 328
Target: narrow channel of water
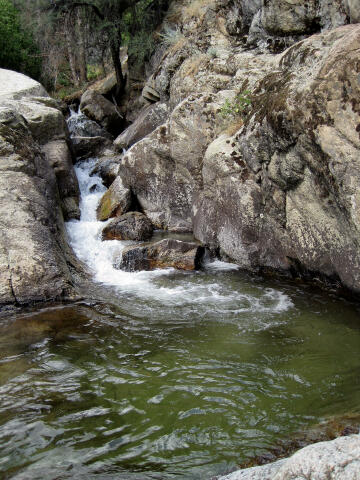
164, 375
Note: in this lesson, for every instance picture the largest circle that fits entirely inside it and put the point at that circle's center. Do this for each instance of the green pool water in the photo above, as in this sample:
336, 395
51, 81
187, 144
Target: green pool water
184, 377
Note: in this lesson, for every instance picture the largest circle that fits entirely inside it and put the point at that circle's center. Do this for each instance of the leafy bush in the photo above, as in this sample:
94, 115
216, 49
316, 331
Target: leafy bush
141, 46
18, 50
238, 106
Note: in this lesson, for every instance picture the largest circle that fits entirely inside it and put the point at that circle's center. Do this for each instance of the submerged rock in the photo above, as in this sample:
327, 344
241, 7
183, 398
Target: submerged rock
131, 226
115, 202
166, 253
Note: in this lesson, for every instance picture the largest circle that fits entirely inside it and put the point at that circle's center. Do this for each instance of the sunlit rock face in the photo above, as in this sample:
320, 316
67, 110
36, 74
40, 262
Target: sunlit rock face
335, 460
38, 188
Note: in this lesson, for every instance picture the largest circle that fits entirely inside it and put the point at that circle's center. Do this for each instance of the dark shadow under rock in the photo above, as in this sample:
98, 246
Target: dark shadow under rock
131, 226
85, 147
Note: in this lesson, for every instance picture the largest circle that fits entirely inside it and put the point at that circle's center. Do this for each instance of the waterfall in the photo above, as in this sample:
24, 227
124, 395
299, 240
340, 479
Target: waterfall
182, 288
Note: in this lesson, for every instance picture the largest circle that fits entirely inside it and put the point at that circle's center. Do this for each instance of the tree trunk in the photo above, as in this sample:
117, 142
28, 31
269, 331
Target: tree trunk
70, 49
115, 54
81, 47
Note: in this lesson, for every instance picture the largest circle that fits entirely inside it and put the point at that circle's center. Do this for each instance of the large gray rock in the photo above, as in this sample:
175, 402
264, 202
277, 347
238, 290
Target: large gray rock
280, 23
101, 110
164, 169
282, 192
58, 155
130, 226
150, 118
353, 10
86, 147
287, 189
338, 459
34, 255
164, 254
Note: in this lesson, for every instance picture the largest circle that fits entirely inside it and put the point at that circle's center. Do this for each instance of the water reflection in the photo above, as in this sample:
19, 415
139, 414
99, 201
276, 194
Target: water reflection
132, 390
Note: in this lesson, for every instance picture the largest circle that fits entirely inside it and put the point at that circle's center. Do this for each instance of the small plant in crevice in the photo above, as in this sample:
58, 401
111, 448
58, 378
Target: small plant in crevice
212, 52
239, 106
171, 36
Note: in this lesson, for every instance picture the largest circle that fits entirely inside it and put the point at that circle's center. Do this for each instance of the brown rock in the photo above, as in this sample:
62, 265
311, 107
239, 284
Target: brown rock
166, 253
130, 226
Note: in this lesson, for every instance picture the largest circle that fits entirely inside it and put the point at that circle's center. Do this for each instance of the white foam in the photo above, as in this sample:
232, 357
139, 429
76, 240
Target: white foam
218, 265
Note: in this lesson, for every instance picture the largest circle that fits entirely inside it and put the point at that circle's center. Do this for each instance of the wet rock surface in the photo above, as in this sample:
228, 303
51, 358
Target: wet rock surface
166, 253
102, 111
85, 147
107, 167
131, 226
58, 155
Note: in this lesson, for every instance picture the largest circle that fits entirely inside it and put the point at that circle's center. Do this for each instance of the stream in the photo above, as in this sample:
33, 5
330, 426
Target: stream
168, 374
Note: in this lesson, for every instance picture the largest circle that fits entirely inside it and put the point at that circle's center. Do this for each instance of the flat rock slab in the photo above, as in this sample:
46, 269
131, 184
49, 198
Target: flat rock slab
166, 253
131, 226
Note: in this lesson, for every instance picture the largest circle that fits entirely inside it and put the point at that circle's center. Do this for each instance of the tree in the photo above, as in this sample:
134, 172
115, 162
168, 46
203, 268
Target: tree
108, 14
108, 19
18, 50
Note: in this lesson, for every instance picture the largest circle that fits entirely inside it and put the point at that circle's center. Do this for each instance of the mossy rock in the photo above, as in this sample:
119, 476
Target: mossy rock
115, 202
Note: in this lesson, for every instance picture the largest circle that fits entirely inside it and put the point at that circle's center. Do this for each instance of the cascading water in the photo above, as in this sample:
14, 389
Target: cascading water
85, 238
168, 375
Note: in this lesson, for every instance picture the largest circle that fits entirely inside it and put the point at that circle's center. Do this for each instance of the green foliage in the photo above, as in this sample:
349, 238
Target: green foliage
238, 106
18, 50
93, 72
141, 46
139, 25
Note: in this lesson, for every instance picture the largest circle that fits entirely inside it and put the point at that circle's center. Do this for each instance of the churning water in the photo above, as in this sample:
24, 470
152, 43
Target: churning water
166, 374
